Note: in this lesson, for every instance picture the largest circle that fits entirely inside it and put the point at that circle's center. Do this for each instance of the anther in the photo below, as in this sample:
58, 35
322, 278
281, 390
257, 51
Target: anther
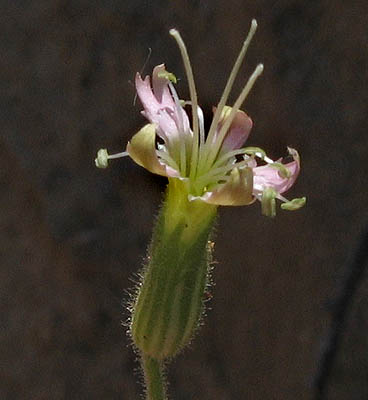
268, 202
103, 157
294, 204
168, 75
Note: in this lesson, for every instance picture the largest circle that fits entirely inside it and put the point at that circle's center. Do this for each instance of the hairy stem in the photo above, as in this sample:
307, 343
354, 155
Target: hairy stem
154, 378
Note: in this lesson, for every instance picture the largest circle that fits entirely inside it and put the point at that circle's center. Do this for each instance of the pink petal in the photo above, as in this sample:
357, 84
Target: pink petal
150, 104
267, 176
238, 132
161, 88
159, 105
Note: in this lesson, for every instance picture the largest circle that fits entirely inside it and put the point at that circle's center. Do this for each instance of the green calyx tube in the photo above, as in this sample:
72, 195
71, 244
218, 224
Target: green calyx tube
169, 300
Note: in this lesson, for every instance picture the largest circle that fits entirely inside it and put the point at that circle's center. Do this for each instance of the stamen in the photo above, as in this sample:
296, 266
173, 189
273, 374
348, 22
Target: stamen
193, 98
268, 160
284, 172
168, 75
103, 156
178, 107
201, 125
213, 151
182, 136
169, 161
118, 155
218, 173
256, 151
229, 85
246, 151
282, 198
294, 204
226, 157
268, 202
200, 118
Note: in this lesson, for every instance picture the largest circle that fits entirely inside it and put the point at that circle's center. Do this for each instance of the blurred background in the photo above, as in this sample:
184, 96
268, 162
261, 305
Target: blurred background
289, 317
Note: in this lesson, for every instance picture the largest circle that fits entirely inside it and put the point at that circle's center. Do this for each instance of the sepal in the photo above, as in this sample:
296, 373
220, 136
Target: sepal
237, 191
142, 149
170, 298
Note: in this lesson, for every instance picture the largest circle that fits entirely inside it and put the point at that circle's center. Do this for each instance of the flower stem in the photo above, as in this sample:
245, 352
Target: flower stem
154, 378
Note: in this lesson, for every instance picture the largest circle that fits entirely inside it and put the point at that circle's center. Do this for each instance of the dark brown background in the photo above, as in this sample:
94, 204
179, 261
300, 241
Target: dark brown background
72, 236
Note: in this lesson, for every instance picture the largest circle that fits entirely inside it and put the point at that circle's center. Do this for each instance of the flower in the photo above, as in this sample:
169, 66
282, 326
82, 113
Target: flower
215, 168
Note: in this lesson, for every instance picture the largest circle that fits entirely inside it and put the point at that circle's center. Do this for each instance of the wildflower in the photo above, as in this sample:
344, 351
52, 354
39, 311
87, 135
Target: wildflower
204, 171
214, 168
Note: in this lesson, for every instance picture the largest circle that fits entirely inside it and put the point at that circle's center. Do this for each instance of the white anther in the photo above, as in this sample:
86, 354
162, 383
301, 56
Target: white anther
103, 156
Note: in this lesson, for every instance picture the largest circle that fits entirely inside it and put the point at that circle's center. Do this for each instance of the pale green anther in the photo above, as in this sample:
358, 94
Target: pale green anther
255, 151
268, 202
168, 75
294, 204
102, 160
283, 171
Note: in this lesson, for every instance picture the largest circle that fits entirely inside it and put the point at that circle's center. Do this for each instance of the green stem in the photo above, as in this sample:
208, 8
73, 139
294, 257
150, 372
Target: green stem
154, 378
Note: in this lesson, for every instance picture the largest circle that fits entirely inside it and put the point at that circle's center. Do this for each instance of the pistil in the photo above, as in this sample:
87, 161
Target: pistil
227, 90
193, 98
